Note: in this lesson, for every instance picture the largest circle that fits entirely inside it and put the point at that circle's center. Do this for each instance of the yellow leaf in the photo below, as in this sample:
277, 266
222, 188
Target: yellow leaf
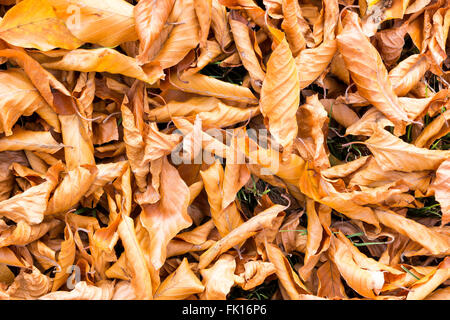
106, 23
34, 24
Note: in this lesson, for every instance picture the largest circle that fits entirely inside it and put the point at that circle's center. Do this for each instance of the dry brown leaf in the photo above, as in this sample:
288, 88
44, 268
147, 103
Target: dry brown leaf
441, 187
203, 9
363, 281
19, 98
316, 243
183, 37
422, 288
438, 128
407, 74
369, 73
312, 122
150, 19
345, 169
138, 265
180, 284
23, 234
163, 220
40, 141
208, 86
280, 93
391, 42
53, 91
340, 112
83, 291
436, 243
198, 235
130, 130
255, 274
219, 279
31, 205
290, 281
210, 110
29, 285
34, 24
71, 189
292, 27
244, 46
244, 231
106, 60
392, 153
66, 258
330, 284
311, 63
372, 175
225, 218
8, 257
106, 23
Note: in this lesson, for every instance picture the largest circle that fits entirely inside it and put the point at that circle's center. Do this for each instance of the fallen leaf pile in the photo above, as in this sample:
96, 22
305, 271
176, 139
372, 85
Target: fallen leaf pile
224, 149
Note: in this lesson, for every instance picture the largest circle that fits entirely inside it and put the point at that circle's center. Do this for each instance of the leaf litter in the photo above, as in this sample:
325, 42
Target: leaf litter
224, 149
